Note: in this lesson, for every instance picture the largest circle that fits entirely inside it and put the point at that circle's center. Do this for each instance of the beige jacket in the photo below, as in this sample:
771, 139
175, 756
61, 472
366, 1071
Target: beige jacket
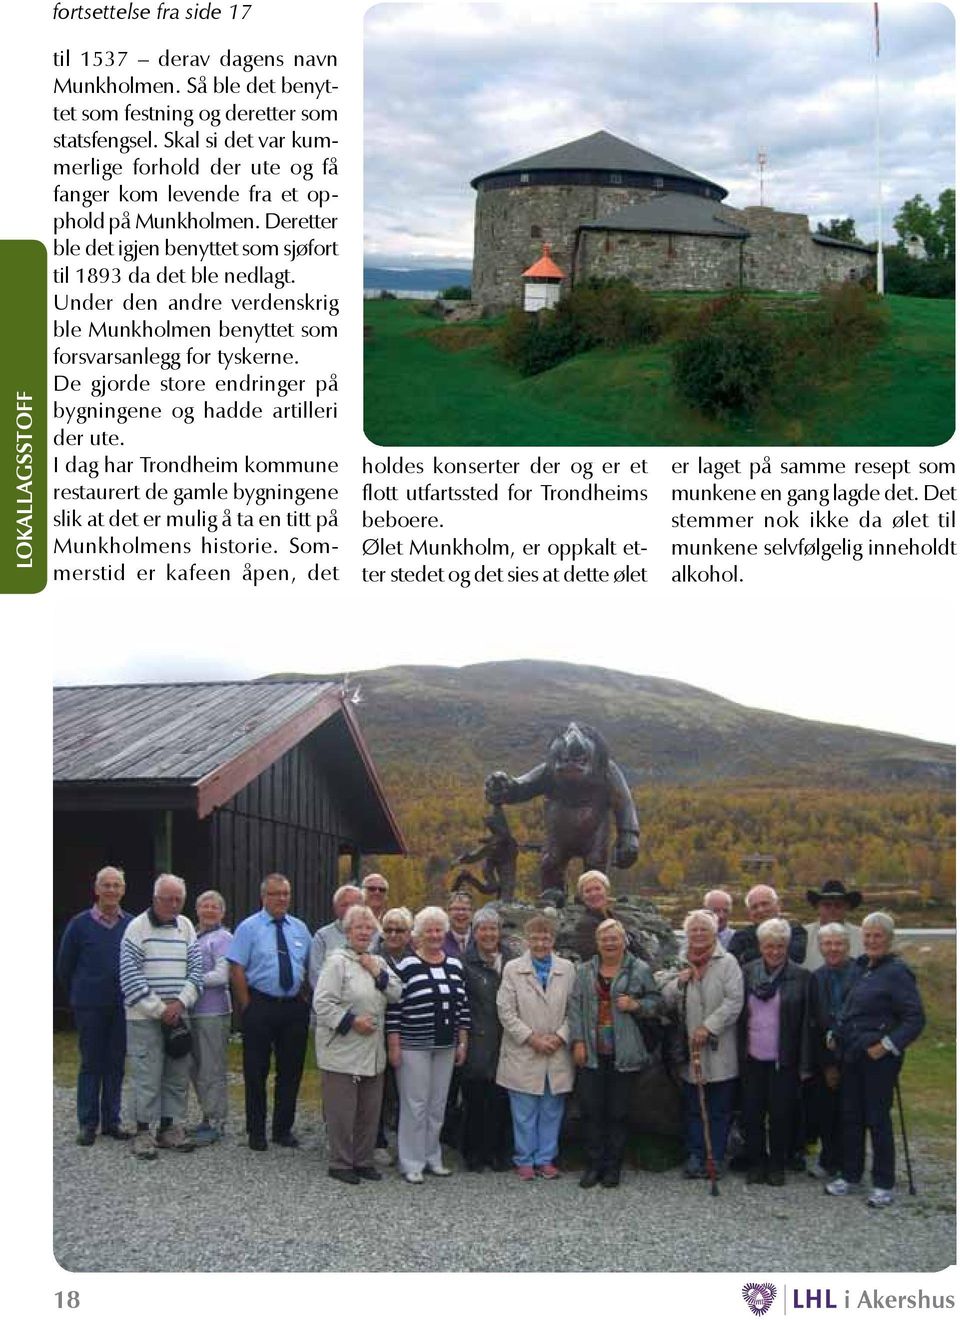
713, 1002
346, 988
525, 1007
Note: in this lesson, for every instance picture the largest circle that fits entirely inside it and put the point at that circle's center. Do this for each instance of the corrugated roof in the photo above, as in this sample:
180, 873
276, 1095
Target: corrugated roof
671, 213
175, 731
597, 151
827, 241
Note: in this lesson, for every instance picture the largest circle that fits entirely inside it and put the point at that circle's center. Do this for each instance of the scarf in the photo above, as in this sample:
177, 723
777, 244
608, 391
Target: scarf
766, 984
542, 968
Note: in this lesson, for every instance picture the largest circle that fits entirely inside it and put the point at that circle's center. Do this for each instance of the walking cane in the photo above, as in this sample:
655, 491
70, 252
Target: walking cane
911, 1185
707, 1139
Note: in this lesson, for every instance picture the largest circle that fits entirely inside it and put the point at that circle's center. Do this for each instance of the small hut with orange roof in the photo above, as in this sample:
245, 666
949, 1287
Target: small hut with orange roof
541, 283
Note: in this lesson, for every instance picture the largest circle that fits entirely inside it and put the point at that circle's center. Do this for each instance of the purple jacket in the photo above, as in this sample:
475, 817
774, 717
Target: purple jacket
215, 999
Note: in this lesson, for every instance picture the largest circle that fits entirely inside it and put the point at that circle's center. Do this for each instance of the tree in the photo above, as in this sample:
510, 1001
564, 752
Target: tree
845, 230
935, 227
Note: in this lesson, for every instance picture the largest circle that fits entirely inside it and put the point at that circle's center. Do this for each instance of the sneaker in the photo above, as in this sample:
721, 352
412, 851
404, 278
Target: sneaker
86, 1136
880, 1197
175, 1138
414, 1177
548, 1171
144, 1145
367, 1173
525, 1172
837, 1187
438, 1170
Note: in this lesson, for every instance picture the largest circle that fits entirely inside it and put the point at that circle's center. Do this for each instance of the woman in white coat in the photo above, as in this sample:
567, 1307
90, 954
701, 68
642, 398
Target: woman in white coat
350, 1003
535, 1066
707, 996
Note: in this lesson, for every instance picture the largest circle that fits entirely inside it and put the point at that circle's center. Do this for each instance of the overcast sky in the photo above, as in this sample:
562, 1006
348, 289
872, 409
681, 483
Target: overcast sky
454, 90
854, 661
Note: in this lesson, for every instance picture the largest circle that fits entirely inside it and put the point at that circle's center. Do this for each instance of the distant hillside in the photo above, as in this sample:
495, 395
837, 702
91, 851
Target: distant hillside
466, 722
429, 277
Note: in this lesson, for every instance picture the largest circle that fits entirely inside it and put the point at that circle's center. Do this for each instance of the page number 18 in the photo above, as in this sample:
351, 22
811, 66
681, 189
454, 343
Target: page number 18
70, 1300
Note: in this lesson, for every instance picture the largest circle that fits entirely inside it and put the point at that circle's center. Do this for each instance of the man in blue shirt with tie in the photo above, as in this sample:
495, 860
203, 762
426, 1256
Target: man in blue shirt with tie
268, 960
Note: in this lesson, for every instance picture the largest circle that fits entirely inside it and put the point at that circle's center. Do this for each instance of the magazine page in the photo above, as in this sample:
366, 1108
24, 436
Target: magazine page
512, 705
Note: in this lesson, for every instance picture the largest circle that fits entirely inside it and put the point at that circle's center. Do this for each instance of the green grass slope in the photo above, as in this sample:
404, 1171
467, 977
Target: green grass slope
428, 384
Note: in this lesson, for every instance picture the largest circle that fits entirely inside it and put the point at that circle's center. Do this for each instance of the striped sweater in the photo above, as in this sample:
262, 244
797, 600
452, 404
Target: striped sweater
433, 1004
157, 963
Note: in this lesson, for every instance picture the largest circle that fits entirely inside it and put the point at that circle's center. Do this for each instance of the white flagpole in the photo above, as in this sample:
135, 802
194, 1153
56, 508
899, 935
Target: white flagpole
876, 84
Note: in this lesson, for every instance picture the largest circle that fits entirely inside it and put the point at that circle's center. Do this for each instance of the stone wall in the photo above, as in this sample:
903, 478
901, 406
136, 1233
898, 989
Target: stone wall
511, 226
661, 261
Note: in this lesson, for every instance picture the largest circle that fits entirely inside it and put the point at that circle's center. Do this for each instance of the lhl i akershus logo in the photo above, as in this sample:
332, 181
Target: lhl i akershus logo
759, 1297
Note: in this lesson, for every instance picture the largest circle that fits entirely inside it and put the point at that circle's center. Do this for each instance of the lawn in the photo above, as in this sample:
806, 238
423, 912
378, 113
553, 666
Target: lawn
431, 384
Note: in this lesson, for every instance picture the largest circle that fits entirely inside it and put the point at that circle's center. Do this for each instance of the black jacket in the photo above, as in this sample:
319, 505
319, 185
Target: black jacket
824, 1008
745, 948
483, 1046
884, 1001
794, 1045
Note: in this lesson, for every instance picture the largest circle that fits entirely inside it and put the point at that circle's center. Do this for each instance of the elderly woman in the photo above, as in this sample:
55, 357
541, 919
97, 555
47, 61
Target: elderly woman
427, 1032
882, 1014
210, 1020
535, 1065
487, 1131
593, 891
350, 1003
611, 993
828, 988
706, 995
774, 1052
396, 930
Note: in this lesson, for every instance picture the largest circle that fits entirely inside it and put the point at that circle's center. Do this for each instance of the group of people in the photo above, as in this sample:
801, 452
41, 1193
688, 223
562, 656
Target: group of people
444, 1024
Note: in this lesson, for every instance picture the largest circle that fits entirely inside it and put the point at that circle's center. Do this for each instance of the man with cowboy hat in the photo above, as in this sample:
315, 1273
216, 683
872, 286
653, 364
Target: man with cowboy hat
834, 902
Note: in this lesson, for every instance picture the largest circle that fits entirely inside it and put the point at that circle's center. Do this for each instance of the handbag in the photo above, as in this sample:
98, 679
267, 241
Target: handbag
177, 1040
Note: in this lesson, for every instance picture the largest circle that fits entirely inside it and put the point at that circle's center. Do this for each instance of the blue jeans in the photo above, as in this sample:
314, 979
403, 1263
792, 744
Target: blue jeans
536, 1126
102, 1042
719, 1097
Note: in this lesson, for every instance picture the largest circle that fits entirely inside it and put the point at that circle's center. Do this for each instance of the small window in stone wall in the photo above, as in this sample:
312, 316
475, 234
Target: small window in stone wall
535, 231
524, 178
658, 183
616, 178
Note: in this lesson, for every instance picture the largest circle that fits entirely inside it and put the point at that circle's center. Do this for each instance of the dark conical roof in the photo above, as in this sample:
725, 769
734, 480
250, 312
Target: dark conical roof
597, 151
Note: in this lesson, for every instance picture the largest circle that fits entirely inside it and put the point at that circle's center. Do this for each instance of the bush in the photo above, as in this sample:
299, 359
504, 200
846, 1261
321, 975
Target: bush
615, 314
535, 342
918, 279
728, 358
386, 294
457, 293
849, 317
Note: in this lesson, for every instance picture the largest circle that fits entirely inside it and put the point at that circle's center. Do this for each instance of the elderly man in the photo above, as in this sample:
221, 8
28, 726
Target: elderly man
763, 904
719, 902
460, 912
332, 936
375, 889
834, 903
268, 966
161, 975
88, 967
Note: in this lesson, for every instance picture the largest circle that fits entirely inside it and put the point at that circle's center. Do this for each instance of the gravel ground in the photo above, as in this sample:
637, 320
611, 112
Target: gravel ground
278, 1211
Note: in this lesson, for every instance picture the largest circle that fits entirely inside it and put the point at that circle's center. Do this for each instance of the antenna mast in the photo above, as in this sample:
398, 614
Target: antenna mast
761, 161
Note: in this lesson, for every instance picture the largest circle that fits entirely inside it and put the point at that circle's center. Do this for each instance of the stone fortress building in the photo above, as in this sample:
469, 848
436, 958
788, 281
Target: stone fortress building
607, 208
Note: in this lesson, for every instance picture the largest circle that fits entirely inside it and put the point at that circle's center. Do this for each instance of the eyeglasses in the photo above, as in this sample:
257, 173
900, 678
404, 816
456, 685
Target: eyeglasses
375, 889
395, 930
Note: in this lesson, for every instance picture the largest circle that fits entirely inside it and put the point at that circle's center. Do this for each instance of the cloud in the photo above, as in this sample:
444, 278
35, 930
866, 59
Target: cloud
454, 90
